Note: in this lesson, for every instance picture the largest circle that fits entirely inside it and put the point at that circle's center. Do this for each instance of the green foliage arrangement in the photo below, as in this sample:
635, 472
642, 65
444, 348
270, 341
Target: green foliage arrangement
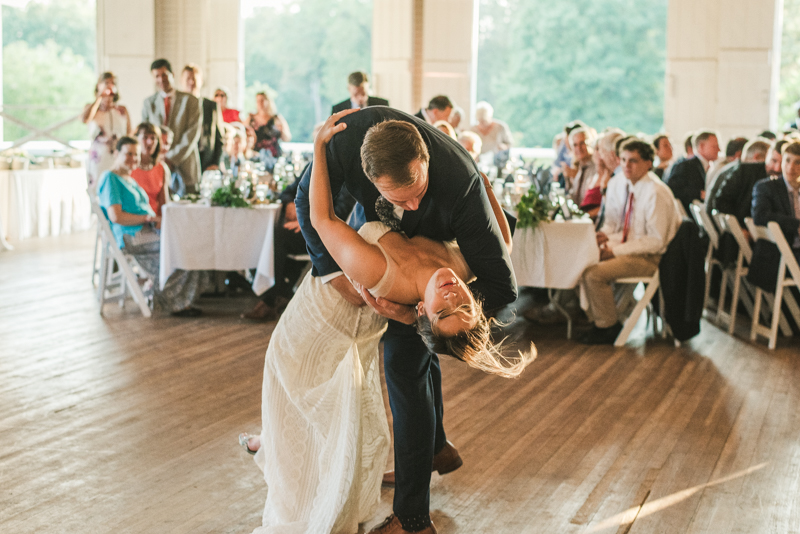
229, 196
532, 209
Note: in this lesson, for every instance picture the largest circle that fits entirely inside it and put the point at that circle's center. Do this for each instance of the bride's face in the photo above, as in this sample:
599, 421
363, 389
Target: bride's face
448, 304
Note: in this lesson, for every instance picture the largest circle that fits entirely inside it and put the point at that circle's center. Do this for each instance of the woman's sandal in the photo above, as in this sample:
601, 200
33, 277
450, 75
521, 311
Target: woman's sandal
244, 441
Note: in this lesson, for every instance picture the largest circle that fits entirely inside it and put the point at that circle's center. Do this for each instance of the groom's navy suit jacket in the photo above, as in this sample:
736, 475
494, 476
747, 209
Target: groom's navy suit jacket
455, 205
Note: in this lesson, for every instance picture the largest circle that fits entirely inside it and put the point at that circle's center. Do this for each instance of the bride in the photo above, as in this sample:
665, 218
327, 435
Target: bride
325, 438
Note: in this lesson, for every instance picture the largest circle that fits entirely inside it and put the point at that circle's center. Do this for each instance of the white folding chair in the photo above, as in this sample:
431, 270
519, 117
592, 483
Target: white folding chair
704, 221
114, 286
730, 224
652, 285
774, 234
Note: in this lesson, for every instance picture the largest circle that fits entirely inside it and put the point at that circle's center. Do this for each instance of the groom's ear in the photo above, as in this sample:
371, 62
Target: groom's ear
420, 308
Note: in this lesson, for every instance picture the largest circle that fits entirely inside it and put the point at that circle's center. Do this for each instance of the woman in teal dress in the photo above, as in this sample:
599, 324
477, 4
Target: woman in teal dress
136, 229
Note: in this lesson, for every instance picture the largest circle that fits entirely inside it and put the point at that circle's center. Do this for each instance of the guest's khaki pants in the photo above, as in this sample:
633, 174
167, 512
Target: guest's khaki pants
599, 279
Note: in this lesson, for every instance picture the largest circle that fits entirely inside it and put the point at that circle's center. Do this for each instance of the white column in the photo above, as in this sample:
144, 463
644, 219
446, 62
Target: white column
206, 33
126, 46
423, 48
722, 66
448, 52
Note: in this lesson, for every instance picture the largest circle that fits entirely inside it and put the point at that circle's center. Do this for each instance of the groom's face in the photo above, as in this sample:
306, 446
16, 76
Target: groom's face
407, 197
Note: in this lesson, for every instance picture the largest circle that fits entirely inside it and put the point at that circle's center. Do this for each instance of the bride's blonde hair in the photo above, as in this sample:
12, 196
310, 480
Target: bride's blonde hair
474, 346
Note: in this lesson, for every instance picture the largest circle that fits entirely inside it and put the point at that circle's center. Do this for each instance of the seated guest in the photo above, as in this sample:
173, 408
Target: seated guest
211, 135
152, 174
456, 116
687, 179
561, 170
176, 186
446, 128
135, 224
778, 200
471, 142
663, 154
733, 154
606, 162
775, 158
580, 142
234, 158
228, 114
270, 127
495, 135
439, 109
358, 87
640, 221
250, 145
734, 190
688, 146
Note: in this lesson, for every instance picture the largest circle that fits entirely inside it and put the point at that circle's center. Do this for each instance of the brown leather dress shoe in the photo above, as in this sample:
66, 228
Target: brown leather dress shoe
391, 525
446, 461
261, 312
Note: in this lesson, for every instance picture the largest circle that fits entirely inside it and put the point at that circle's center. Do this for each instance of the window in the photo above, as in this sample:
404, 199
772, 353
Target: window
48, 64
301, 52
542, 64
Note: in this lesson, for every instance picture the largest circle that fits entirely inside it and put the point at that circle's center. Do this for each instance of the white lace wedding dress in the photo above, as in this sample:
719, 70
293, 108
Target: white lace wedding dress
325, 437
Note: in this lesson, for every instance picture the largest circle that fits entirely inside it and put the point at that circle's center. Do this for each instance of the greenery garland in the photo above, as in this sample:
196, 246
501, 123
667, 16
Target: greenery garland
229, 196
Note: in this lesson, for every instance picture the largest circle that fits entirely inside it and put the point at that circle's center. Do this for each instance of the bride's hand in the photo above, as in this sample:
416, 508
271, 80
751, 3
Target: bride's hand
330, 128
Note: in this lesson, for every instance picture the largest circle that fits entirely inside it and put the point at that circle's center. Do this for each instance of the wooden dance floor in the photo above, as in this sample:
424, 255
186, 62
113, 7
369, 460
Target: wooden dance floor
129, 425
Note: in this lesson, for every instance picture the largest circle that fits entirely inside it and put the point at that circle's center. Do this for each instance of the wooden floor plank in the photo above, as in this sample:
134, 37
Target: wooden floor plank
126, 424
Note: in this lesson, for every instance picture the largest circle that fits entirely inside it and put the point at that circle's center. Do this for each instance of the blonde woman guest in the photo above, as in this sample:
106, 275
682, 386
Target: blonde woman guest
471, 143
447, 128
270, 127
107, 121
152, 174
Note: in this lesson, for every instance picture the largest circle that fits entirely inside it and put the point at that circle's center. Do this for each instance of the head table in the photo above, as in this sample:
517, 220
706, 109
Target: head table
554, 256
200, 237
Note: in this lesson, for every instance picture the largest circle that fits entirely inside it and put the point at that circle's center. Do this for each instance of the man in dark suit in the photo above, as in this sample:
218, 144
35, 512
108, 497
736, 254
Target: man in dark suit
446, 200
733, 193
776, 199
211, 136
687, 179
358, 87
181, 112
439, 109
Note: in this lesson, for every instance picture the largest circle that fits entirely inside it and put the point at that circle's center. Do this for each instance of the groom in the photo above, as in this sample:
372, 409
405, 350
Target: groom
442, 199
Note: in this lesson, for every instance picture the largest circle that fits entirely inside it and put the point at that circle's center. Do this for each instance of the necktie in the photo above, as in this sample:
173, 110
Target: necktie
628, 216
385, 211
166, 109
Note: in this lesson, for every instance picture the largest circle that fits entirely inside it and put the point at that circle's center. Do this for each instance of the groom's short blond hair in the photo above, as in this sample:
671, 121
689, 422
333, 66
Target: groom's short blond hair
388, 150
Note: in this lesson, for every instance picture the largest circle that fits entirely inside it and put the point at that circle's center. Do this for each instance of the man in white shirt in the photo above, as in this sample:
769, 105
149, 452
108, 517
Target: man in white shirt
640, 221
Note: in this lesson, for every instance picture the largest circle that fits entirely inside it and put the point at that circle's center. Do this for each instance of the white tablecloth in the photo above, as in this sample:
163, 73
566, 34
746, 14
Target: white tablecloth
555, 254
197, 237
43, 202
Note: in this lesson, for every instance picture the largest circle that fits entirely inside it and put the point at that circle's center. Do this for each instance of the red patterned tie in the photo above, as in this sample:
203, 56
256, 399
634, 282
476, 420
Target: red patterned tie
166, 109
628, 216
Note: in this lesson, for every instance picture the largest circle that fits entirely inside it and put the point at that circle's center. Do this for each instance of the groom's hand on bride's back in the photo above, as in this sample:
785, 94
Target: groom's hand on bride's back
347, 291
391, 310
